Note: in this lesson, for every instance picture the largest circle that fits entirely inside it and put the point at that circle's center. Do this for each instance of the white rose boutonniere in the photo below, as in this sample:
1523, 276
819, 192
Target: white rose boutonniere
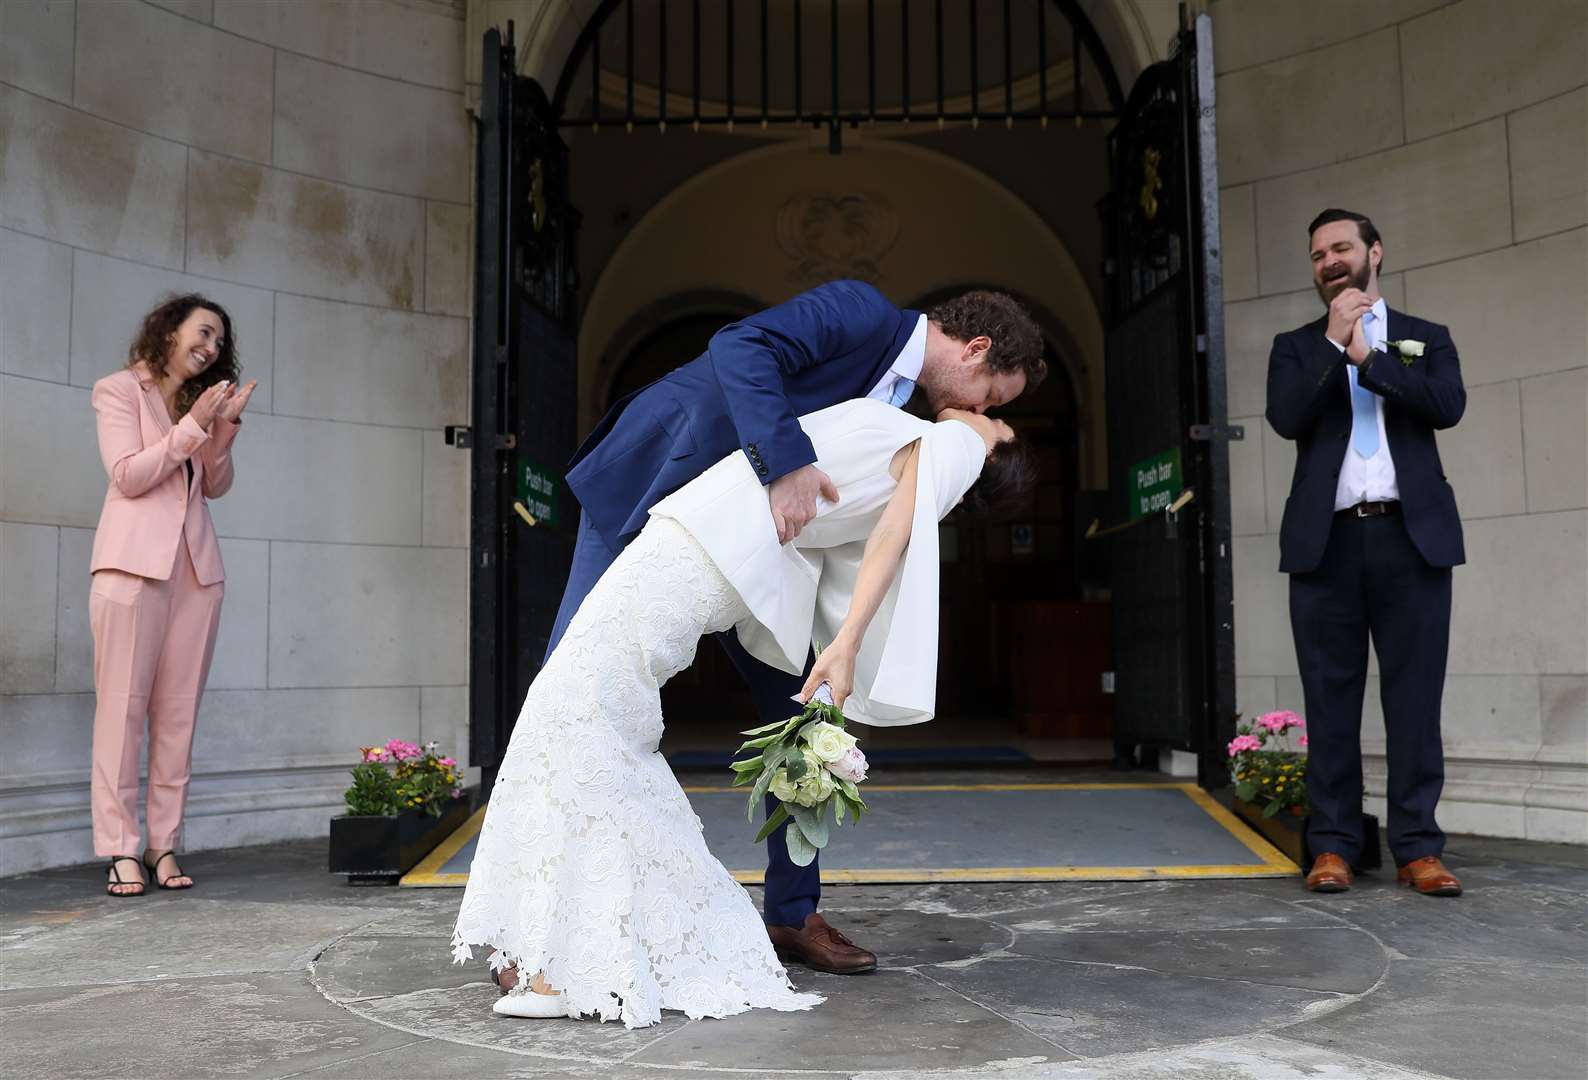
1409, 349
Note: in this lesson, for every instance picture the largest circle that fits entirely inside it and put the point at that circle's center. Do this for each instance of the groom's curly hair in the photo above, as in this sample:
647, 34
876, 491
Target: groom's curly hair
1004, 487
1016, 340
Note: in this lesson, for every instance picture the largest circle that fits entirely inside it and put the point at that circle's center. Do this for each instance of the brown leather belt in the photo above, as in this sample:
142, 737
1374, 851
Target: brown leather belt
1369, 509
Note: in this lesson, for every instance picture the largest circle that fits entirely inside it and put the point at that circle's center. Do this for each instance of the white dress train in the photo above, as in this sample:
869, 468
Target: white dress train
591, 865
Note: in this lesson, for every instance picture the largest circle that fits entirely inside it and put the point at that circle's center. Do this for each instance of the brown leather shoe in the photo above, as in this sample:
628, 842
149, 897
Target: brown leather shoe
820, 947
1329, 874
1429, 877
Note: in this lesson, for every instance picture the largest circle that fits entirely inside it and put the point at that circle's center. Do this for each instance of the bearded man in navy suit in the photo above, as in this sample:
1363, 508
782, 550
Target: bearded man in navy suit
834, 343
1369, 536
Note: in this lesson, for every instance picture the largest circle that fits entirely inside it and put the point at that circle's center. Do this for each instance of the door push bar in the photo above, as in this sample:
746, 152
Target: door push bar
1093, 531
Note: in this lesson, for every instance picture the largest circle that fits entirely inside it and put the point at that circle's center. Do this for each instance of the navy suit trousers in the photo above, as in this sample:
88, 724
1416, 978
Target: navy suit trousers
1372, 583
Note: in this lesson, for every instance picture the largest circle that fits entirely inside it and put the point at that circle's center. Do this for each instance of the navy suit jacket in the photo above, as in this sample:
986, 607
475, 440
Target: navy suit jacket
1309, 400
745, 392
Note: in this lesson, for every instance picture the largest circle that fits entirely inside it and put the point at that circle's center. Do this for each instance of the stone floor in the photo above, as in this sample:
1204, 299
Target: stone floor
274, 968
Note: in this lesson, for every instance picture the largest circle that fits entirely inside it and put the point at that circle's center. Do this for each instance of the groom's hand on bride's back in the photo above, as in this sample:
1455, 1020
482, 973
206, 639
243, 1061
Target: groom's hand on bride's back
793, 499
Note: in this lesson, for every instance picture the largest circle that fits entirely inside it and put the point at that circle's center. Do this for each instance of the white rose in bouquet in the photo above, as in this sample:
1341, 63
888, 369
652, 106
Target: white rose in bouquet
817, 783
782, 786
828, 741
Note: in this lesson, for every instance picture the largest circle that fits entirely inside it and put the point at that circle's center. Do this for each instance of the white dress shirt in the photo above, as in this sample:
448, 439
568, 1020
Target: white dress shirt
907, 365
1369, 479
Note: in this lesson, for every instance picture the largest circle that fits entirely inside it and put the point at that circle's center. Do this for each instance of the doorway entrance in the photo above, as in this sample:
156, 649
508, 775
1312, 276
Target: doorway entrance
927, 175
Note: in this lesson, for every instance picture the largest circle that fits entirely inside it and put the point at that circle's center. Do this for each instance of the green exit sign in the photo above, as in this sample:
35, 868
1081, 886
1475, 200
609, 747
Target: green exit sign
537, 490
1154, 483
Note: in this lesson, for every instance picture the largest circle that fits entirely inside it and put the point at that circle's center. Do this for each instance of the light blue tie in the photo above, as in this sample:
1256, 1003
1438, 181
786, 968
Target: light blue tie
901, 392
1364, 414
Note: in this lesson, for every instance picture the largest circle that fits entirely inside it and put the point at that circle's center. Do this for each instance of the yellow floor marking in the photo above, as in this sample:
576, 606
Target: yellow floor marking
1274, 862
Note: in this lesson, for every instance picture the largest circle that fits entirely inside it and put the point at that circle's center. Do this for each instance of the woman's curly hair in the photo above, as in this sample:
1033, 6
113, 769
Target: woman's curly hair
157, 337
1004, 487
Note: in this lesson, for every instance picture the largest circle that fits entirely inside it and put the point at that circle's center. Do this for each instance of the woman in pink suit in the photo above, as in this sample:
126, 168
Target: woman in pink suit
166, 425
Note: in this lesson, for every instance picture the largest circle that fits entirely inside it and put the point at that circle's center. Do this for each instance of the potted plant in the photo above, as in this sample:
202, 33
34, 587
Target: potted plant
1270, 775
404, 800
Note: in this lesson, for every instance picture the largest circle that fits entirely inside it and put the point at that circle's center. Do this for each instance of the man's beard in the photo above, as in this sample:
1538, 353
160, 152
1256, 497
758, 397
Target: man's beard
1354, 279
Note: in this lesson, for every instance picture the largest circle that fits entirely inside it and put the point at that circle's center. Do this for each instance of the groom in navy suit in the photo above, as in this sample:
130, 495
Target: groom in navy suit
1369, 536
837, 342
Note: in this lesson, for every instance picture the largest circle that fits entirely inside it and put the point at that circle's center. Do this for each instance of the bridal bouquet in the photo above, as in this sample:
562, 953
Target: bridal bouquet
810, 763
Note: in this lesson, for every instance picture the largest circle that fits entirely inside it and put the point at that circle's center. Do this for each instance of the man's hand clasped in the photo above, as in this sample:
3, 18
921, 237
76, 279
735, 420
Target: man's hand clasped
1345, 323
793, 499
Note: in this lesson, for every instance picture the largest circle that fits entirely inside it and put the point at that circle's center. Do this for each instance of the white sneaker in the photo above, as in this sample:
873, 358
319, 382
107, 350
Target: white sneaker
531, 1006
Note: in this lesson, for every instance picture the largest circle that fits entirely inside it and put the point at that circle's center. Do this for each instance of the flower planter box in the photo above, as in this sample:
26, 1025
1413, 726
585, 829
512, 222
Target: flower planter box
1288, 833
374, 850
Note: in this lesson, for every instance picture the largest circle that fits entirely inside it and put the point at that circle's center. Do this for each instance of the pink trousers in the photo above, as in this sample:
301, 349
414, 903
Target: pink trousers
153, 641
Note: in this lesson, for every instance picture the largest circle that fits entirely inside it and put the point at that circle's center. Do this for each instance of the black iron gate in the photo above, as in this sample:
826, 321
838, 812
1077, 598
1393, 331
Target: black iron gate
1167, 428
522, 519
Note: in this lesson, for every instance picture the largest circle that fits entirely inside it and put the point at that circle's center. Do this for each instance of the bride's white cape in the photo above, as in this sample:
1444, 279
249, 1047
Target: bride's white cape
798, 594
591, 866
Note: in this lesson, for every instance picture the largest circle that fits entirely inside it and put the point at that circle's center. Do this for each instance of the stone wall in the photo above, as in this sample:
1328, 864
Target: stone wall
308, 166
1462, 130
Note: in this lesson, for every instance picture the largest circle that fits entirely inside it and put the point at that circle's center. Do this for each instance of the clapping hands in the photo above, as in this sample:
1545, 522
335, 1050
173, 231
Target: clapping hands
223, 400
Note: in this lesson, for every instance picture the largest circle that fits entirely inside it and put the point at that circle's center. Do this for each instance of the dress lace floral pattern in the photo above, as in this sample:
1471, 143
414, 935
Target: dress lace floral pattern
591, 865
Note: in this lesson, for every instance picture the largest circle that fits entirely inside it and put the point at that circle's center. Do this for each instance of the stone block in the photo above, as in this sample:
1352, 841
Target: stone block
1555, 420
1557, 826
297, 729
385, 37
1434, 200
449, 271
277, 230
174, 77
110, 298
367, 365
1549, 186
1247, 517
1263, 645
1563, 700
1279, 463
1247, 32
35, 307
446, 493
370, 131
328, 482
27, 608
1511, 56
42, 421
1492, 717
74, 640
48, 738
1249, 330
1238, 241
1514, 312
1519, 600
1482, 455
1277, 118
365, 615
444, 717
83, 181
36, 42
202, 10
241, 644
1254, 695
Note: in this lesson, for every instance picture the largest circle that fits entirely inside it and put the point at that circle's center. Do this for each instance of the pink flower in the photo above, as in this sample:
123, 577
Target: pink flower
852, 766
403, 751
448, 762
375, 753
457, 792
1302, 742
1242, 743
1280, 721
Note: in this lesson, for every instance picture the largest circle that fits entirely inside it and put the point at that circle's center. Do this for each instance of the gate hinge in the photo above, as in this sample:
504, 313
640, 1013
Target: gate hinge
1216, 432
462, 437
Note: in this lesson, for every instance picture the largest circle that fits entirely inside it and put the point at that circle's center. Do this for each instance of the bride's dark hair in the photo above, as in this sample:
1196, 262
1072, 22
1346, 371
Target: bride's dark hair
1005, 484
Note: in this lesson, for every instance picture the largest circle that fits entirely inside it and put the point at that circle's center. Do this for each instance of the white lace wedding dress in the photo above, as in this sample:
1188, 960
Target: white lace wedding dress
591, 866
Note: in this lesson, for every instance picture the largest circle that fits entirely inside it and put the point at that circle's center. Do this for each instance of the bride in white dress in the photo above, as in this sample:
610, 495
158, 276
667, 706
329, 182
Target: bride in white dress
591, 869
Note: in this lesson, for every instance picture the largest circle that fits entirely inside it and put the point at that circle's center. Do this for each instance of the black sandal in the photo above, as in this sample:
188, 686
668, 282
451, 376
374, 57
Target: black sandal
116, 879
161, 882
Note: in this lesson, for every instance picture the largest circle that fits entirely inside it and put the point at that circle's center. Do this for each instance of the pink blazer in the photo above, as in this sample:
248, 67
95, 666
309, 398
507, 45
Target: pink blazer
149, 505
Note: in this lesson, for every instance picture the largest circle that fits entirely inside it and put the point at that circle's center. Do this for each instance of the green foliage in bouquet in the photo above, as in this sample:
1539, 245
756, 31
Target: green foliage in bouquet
811, 764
